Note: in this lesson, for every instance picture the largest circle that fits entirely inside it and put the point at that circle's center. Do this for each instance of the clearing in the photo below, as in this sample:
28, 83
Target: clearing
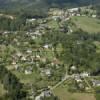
88, 24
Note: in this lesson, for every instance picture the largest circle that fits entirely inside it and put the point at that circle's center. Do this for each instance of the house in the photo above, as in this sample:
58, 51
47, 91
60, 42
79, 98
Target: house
46, 72
81, 86
96, 82
73, 10
55, 17
52, 64
68, 18
94, 16
33, 37
84, 74
15, 40
23, 58
14, 63
77, 78
30, 20
43, 60
28, 72
46, 93
16, 67
56, 12
73, 67
46, 46
78, 14
38, 56
19, 54
6, 32
29, 51
37, 33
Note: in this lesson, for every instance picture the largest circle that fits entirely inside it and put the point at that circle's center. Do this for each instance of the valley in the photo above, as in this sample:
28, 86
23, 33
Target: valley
50, 57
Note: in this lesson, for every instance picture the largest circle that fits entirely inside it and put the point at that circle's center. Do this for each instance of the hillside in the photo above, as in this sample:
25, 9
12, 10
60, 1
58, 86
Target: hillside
12, 4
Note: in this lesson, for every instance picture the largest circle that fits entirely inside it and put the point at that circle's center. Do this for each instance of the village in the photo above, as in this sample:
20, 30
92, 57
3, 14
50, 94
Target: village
34, 61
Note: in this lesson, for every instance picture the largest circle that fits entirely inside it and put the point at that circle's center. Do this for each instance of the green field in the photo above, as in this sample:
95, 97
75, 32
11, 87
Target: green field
88, 24
63, 94
2, 90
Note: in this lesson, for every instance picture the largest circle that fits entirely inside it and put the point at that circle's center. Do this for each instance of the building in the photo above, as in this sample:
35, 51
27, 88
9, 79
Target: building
84, 74
96, 82
94, 16
46, 93
77, 78
73, 10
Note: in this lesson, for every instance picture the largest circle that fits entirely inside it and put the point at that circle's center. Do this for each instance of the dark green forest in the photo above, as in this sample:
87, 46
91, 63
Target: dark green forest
41, 6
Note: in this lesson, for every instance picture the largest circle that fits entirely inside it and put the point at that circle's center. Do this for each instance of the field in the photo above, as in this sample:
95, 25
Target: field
63, 94
2, 90
88, 24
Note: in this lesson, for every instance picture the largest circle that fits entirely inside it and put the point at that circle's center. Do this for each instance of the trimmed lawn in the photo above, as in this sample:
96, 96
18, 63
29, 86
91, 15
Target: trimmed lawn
88, 24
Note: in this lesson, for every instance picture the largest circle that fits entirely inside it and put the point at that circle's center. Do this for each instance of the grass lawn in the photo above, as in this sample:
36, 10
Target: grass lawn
88, 24
63, 94
31, 78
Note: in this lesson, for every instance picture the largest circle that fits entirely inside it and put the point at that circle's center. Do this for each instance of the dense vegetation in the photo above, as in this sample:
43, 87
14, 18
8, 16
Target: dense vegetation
38, 7
22, 47
78, 50
11, 84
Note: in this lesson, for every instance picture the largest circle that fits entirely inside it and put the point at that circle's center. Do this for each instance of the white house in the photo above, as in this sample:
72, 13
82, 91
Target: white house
84, 74
73, 67
94, 16
23, 58
48, 72
30, 20
29, 51
46, 46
